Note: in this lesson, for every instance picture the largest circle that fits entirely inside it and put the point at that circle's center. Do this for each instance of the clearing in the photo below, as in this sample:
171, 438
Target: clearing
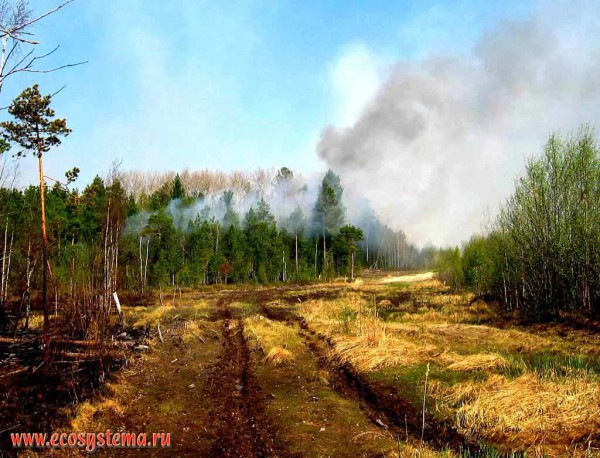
340, 370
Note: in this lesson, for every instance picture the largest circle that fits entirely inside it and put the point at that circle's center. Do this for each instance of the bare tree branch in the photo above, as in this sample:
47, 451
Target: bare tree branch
17, 37
50, 70
17, 65
15, 19
33, 21
8, 56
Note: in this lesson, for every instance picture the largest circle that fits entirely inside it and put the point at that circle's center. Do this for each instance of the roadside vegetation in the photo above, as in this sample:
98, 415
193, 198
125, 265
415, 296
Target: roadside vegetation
541, 255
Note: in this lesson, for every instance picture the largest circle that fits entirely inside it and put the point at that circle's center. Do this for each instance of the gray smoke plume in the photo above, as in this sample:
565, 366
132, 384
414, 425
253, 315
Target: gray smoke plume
438, 147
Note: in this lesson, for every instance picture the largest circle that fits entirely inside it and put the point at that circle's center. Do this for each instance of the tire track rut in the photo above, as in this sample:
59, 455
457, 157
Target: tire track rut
383, 405
240, 427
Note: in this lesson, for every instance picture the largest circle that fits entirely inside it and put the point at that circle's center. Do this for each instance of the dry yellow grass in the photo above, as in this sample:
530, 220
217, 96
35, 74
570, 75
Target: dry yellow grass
479, 361
186, 308
87, 411
540, 414
275, 339
278, 356
527, 410
367, 354
468, 338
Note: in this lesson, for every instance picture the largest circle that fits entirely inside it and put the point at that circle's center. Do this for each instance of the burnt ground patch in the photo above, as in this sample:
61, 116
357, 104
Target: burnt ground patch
38, 387
36, 390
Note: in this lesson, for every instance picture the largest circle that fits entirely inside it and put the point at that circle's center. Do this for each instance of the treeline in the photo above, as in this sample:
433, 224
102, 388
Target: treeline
205, 192
542, 253
180, 239
103, 239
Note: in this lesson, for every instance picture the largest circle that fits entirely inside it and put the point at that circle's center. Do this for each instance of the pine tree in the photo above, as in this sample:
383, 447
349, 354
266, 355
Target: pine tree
329, 213
161, 197
230, 218
264, 244
178, 191
351, 235
35, 130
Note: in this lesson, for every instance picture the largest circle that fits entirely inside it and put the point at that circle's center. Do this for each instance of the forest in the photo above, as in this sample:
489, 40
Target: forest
106, 238
196, 230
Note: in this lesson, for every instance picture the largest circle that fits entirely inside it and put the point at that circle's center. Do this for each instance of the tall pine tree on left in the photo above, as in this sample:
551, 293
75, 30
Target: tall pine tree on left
36, 130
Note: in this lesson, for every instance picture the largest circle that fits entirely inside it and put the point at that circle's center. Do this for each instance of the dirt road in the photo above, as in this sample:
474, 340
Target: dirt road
408, 278
210, 385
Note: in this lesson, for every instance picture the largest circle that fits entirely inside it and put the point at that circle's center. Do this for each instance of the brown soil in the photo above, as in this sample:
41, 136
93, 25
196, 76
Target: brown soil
36, 390
239, 424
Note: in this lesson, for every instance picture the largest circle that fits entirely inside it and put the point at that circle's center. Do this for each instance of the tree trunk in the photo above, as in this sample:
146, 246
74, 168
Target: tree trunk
141, 268
284, 265
28, 290
44, 247
3, 273
296, 252
316, 253
352, 266
7, 272
145, 285
367, 246
3, 60
324, 248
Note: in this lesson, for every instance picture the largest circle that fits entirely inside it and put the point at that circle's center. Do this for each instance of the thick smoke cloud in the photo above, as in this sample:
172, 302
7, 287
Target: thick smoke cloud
438, 147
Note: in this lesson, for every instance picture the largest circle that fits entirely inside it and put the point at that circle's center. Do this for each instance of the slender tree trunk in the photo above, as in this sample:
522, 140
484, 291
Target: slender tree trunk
145, 286
72, 271
7, 273
324, 248
352, 266
28, 290
284, 265
6, 268
316, 253
398, 250
296, 234
3, 60
4, 255
367, 246
141, 268
44, 247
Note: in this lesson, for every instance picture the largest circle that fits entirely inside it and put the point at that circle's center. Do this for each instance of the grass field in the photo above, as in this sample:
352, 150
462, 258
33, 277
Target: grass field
343, 369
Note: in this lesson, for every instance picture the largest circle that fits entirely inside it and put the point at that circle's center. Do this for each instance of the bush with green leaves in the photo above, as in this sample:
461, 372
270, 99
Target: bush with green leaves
544, 249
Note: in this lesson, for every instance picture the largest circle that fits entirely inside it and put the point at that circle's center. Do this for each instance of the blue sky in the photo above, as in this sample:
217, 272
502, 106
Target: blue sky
230, 85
